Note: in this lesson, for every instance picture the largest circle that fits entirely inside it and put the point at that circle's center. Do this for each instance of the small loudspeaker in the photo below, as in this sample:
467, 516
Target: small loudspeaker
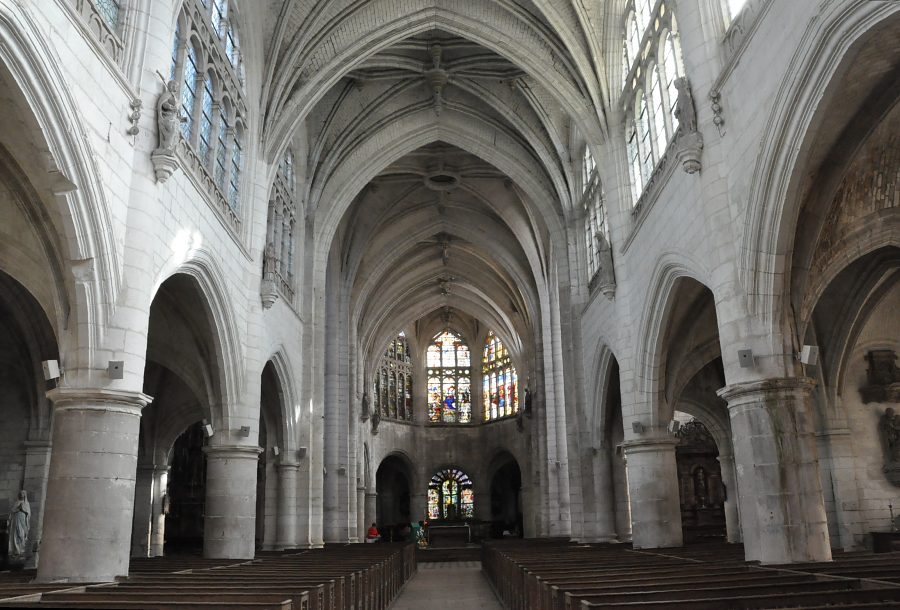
637, 427
116, 369
276, 450
51, 369
301, 452
674, 426
342, 471
207, 429
809, 355
745, 358
244, 431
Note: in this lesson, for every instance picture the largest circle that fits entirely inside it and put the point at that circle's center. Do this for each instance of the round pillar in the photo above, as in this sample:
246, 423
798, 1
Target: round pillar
604, 496
782, 508
143, 501
732, 513
229, 526
371, 508
90, 488
158, 515
287, 505
653, 490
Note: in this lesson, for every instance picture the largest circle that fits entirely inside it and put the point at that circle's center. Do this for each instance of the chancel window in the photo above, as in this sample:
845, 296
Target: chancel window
278, 258
393, 382
649, 96
501, 383
206, 64
450, 496
449, 362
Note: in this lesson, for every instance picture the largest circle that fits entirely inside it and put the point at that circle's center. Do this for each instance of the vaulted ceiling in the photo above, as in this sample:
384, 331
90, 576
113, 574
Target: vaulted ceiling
439, 137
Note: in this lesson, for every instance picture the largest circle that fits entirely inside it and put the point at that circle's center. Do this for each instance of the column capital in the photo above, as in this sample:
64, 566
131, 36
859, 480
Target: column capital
639, 445
739, 393
98, 399
234, 452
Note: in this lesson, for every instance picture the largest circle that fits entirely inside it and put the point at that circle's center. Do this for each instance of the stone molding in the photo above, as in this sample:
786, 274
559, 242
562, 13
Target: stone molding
287, 466
649, 444
98, 399
749, 391
233, 452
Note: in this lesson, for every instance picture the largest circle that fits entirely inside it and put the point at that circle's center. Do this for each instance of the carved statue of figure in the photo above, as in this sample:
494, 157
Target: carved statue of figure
527, 402
376, 419
889, 427
168, 116
365, 406
685, 111
19, 524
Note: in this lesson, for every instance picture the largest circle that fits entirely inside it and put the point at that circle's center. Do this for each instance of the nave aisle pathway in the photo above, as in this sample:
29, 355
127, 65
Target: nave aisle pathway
448, 586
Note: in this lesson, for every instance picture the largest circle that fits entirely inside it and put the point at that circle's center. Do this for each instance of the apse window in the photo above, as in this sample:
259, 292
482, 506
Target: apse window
501, 384
450, 496
448, 362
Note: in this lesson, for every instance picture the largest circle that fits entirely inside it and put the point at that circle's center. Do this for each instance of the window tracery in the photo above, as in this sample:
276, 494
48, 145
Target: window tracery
588, 165
596, 229
103, 19
649, 96
393, 382
207, 67
451, 496
500, 381
448, 363
278, 258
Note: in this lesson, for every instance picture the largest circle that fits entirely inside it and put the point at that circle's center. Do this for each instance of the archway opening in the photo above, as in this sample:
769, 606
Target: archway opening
186, 493
451, 496
392, 482
701, 490
507, 519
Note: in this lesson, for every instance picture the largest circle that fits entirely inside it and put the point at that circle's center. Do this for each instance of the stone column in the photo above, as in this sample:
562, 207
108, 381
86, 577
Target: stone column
361, 524
653, 489
37, 469
287, 505
143, 504
158, 515
782, 508
371, 508
732, 513
90, 489
229, 526
604, 495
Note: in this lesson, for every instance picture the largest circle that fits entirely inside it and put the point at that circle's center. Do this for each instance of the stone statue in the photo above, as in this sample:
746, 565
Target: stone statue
365, 406
19, 524
527, 402
889, 428
168, 116
376, 419
685, 111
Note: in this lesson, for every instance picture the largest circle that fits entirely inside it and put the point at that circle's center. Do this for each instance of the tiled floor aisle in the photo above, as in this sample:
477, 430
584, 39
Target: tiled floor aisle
458, 585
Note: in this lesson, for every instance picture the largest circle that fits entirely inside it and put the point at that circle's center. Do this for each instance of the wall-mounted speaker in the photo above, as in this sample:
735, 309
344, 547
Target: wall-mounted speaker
116, 369
51, 369
809, 355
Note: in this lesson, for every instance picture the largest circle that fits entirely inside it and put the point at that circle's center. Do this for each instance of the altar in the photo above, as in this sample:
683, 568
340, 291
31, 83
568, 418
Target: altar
449, 535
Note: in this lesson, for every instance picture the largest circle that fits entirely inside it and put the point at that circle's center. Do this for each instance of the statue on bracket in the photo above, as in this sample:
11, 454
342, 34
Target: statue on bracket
18, 526
168, 120
690, 144
365, 406
889, 430
376, 419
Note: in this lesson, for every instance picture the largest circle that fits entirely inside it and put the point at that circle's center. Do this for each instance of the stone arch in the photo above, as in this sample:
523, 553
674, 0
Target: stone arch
778, 177
201, 265
281, 365
62, 150
653, 330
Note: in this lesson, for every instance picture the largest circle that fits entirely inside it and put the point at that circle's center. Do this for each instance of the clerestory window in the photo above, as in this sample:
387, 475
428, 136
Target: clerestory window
651, 67
281, 228
393, 382
206, 65
500, 381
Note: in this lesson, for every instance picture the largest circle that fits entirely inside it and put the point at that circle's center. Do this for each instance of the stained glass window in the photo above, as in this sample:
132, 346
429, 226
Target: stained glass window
206, 115
670, 69
109, 10
189, 91
393, 382
450, 496
219, 15
449, 378
659, 112
236, 160
588, 167
500, 382
222, 151
644, 145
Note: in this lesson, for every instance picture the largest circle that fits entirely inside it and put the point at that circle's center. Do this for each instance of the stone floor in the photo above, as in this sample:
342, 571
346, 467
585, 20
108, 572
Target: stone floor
447, 586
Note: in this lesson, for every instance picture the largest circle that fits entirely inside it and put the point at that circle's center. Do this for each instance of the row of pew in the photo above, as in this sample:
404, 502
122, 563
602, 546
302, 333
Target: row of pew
340, 577
556, 575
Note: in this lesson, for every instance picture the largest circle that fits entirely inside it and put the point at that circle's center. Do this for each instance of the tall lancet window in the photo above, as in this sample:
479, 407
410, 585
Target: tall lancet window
501, 383
649, 96
451, 496
393, 382
207, 66
281, 229
449, 380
